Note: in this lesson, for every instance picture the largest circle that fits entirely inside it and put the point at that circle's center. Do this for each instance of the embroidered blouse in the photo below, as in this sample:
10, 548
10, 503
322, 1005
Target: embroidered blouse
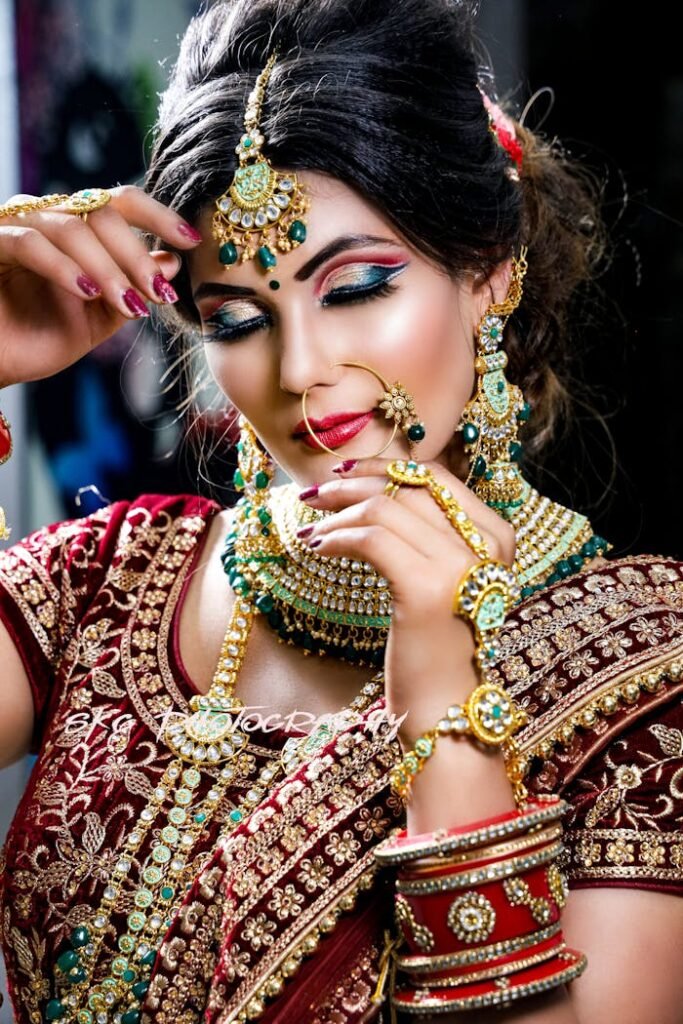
287, 908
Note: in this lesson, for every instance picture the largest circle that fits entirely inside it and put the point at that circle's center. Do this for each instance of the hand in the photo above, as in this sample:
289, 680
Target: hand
429, 657
52, 264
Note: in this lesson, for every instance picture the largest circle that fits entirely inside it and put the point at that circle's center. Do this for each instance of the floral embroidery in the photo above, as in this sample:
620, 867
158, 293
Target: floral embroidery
314, 874
342, 847
620, 852
615, 644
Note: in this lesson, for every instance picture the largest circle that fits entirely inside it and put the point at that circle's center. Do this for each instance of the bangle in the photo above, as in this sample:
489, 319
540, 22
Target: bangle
5, 452
421, 964
427, 865
481, 875
399, 848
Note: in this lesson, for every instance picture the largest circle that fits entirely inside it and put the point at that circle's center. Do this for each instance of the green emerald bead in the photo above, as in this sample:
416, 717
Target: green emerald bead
588, 549
553, 578
227, 254
412, 465
238, 479
76, 976
266, 257
500, 386
139, 989
496, 711
149, 958
241, 586
488, 475
470, 433
168, 891
247, 143
527, 592
479, 467
265, 532
524, 413
129, 975
494, 332
67, 960
563, 568
54, 1010
416, 432
79, 937
265, 603
200, 817
130, 1017
235, 815
265, 516
600, 542
515, 450
297, 231
576, 561
261, 480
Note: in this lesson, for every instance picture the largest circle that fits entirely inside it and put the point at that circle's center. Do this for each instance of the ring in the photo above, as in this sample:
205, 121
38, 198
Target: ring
387, 388
81, 203
413, 474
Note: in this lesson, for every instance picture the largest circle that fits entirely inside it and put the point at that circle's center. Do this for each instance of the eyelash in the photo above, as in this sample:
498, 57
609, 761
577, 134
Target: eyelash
344, 297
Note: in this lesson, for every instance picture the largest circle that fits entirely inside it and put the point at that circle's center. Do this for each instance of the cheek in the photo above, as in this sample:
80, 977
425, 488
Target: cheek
238, 371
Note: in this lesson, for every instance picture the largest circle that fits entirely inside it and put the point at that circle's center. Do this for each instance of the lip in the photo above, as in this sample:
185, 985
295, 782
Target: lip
327, 422
336, 433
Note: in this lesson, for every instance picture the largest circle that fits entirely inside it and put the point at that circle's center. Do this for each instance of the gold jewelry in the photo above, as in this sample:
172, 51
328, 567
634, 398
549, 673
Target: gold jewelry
413, 474
431, 864
430, 964
489, 421
397, 403
81, 203
262, 210
479, 876
499, 971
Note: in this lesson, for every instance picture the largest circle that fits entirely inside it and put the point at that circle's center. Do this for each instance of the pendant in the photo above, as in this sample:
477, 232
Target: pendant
209, 735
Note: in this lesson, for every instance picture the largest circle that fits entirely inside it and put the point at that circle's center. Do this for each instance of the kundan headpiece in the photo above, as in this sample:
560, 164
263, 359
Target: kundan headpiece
262, 211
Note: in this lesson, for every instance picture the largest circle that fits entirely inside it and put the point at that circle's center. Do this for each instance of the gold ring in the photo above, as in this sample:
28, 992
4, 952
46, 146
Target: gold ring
385, 385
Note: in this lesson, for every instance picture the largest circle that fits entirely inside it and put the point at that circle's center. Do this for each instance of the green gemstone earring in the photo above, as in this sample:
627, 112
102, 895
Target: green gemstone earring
255, 470
262, 212
491, 419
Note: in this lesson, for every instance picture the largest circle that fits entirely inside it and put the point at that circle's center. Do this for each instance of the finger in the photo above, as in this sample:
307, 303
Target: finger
29, 248
142, 211
80, 241
169, 263
130, 253
405, 522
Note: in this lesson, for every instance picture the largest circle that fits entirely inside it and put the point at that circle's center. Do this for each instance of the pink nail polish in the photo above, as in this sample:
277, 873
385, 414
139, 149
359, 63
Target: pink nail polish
163, 289
189, 232
345, 466
310, 492
135, 303
315, 542
305, 531
88, 286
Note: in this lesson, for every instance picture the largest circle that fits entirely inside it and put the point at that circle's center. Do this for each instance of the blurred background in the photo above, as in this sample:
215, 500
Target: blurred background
78, 92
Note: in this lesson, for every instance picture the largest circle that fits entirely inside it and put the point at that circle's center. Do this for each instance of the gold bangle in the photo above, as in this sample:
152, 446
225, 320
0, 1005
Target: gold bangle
479, 876
500, 971
463, 958
431, 864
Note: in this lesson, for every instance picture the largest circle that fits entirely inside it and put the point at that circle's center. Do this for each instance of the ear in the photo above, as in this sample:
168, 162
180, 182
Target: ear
491, 288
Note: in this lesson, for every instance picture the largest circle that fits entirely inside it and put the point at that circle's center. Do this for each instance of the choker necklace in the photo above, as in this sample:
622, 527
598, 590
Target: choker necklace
333, 605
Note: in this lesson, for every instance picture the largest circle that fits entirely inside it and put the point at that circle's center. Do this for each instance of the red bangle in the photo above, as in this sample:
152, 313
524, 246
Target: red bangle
450, 922
563, 968
400, 847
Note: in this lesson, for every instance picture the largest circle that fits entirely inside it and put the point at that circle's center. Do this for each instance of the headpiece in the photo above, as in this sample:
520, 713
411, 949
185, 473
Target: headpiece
503, 127
261, 211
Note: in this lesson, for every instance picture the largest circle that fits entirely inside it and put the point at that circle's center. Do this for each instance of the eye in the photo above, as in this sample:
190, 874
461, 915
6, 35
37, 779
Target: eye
362, 281
228, 325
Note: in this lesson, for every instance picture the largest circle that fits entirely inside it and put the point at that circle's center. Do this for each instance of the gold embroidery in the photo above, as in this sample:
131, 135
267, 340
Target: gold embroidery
625, 853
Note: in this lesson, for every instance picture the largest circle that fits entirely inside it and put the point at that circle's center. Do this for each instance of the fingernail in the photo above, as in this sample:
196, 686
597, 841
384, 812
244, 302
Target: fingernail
88, 286
310, 492
135, 302
305, 531
345, 466
163, 289
189, 232
315, 542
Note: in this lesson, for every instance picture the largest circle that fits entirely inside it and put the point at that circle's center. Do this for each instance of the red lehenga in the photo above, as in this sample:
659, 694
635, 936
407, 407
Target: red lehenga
284, 916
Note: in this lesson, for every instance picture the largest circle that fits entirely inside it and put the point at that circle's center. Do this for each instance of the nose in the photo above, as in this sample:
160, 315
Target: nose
305, 354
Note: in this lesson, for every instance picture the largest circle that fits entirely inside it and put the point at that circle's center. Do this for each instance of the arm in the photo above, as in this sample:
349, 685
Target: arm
16, 703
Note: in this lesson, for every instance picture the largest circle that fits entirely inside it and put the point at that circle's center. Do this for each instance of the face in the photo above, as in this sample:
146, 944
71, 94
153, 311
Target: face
353, 292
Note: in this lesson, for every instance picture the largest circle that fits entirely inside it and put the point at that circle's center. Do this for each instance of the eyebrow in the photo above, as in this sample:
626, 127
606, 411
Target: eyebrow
333, 248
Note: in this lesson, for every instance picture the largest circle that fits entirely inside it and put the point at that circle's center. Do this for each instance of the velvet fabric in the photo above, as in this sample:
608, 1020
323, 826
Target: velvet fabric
288, 909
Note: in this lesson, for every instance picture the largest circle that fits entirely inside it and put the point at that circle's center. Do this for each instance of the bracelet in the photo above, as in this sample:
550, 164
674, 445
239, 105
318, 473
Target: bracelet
5, 452
428, 865
510, 966
400, 848
479, 876
430, 964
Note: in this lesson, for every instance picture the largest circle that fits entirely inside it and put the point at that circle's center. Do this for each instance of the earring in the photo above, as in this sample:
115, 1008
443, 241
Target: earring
397, 404
255, 470
490, 421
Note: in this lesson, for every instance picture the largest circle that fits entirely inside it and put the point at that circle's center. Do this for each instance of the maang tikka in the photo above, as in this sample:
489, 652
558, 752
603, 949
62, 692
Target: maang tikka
491, 419
262, 211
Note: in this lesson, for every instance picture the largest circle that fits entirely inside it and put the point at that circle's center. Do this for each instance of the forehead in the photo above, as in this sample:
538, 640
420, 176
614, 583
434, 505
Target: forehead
335, 209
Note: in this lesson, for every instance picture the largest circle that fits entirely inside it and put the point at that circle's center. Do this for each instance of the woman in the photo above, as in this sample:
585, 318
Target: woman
185, 848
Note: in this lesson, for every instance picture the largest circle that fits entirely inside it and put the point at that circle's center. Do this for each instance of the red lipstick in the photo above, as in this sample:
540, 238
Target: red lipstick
333, 430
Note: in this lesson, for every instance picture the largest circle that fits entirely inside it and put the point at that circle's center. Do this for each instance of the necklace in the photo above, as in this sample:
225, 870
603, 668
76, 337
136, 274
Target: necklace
210, 754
